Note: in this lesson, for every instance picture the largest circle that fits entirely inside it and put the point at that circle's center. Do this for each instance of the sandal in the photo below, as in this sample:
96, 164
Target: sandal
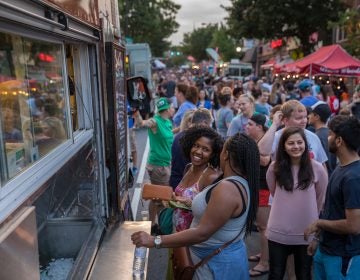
255, 258
255, 272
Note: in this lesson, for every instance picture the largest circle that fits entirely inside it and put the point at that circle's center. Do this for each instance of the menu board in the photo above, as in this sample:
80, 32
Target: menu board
117, 128
120, 116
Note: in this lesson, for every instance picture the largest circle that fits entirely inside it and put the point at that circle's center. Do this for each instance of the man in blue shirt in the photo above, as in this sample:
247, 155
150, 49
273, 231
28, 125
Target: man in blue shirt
305, 88
338, 229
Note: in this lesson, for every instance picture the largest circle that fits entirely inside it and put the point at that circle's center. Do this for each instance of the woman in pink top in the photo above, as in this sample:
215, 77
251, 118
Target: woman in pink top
298, 185
202, 146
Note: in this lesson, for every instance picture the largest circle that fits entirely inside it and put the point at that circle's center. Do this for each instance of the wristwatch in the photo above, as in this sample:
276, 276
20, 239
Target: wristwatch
157, 242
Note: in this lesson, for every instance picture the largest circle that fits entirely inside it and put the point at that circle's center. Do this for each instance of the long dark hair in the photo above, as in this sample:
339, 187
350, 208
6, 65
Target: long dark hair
245, 161
282, 165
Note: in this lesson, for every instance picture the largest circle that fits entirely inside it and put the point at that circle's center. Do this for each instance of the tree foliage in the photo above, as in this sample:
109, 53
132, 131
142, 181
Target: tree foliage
224, 43
150, 21
349, 21
276, 19
195, 42
211, 36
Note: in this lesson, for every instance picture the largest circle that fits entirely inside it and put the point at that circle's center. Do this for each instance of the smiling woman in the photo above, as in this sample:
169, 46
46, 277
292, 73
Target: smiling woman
202, 146
298, 185
224, 213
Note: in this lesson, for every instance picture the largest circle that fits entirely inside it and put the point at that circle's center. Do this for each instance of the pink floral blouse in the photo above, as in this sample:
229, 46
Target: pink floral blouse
182, 218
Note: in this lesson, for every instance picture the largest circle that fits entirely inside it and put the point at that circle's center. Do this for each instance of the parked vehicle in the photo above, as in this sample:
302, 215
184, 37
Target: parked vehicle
139, 56
237, 69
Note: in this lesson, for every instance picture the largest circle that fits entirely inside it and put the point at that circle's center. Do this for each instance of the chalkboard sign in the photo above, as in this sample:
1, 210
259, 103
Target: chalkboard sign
117, 126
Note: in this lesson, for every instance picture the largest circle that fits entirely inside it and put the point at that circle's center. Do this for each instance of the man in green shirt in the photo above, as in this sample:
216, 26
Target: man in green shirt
161, 138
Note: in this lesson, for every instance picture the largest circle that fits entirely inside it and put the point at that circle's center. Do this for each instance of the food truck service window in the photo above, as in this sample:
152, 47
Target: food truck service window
33, 107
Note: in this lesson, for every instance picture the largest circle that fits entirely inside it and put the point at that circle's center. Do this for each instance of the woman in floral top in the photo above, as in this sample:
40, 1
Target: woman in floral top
202, 146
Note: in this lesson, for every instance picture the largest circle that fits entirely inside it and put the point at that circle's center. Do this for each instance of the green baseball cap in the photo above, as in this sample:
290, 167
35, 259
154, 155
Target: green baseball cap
162, 104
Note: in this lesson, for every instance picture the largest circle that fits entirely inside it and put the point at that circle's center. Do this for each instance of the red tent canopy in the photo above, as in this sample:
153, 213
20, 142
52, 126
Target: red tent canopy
328, 60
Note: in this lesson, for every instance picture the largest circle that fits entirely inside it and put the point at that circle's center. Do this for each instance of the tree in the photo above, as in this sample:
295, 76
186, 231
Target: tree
224, 43
349, 21
276, 19
195, 42
150, 21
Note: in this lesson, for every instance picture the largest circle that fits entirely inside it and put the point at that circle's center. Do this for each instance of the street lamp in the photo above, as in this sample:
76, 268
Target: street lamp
238, 49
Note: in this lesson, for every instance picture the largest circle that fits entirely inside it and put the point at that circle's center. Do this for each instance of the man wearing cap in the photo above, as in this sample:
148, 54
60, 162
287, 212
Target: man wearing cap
305, 88
319, 114
160, 138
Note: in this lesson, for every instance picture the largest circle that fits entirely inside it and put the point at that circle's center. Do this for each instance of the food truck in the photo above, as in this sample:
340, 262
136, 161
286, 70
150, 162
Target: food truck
63, 127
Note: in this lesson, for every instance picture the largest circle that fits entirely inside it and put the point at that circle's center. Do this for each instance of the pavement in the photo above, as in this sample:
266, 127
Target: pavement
158, 259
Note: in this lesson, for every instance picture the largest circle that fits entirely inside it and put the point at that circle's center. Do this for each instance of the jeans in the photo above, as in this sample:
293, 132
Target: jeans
330, 267
278, 254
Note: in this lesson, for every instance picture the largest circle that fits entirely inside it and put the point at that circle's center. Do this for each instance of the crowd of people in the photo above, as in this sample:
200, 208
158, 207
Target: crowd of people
283, 157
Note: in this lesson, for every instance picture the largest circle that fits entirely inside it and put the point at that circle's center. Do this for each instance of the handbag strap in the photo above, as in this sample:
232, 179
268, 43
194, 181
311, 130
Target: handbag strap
218, 250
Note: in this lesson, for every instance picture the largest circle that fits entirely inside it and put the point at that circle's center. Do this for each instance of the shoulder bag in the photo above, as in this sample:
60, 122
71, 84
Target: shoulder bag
183, 266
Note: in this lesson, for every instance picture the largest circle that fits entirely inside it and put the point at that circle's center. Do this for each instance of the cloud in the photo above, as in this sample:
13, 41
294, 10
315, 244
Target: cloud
195, 12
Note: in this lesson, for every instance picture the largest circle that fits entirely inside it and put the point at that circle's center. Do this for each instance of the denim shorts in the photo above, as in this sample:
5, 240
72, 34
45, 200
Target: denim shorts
330, 267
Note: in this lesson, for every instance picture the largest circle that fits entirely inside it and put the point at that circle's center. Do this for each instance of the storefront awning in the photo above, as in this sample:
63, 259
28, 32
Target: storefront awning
268, 64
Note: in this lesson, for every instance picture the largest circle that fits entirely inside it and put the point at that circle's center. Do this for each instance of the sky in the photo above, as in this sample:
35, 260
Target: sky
193, 13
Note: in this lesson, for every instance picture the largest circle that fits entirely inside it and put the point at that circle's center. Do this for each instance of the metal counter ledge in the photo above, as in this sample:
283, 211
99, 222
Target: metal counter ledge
116, 254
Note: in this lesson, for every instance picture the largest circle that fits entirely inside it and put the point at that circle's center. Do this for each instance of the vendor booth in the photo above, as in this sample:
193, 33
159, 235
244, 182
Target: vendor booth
329, 60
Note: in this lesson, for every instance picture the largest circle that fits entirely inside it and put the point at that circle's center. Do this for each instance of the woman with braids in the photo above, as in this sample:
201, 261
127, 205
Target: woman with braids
223, 212
298, 185
201, 146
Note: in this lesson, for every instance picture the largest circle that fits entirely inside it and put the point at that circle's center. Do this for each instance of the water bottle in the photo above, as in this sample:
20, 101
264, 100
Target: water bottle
139, 262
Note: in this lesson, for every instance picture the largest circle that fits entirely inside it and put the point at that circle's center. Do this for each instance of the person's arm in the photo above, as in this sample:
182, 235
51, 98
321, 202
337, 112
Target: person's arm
139, 122
270, 179
283, 98
225, 201
176, 130
320, 186
266, 142
349, 225
233, 128
228, 118
325, 168
264, 160
178, 115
